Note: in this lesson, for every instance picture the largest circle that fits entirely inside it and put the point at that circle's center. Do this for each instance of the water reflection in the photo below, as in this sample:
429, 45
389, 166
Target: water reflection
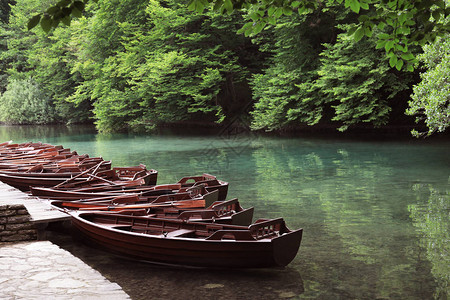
432, 219
372, 228
354, 202
35, 133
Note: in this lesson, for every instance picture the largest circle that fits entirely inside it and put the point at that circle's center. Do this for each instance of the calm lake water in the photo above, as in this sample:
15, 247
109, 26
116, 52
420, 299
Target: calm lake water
375, 214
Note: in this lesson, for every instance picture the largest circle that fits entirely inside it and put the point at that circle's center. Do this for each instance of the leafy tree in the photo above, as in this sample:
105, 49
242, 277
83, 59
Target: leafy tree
431, 98
24, 103
3, 62
135, 63
430, 101
410, 23
5, 10
48, 59
320, 75
285, 91
163, 66
141, 63
355, 79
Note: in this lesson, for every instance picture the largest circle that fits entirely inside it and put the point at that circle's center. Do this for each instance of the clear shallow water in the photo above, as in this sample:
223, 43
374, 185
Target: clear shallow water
375, 213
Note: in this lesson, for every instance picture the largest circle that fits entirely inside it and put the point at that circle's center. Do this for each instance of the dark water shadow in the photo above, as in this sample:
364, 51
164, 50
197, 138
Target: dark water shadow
143, 280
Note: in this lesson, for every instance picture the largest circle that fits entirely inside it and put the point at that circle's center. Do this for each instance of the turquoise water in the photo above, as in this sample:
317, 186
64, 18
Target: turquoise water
376, 214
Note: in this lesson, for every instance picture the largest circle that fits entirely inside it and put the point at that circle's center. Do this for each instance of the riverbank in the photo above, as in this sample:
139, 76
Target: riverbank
226, 131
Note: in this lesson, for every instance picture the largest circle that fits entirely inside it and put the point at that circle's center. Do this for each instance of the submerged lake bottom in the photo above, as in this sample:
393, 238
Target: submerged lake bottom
375, 213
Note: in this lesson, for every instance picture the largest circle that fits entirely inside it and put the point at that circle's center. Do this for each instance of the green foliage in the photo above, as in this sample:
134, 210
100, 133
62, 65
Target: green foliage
406, 23
410, 23
430, 101
357, 82
165, 66
24, 103
61, 12
310, 81
132, 64
285, 91
48, 59
3, 62
5, 10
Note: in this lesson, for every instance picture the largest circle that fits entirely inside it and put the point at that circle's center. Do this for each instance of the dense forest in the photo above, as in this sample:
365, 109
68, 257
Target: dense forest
135, 65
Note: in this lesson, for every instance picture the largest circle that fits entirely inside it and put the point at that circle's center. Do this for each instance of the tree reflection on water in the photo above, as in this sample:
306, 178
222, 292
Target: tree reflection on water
352, 201
433, 221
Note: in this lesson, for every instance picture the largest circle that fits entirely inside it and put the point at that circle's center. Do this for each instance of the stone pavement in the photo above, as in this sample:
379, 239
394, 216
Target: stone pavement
42, 270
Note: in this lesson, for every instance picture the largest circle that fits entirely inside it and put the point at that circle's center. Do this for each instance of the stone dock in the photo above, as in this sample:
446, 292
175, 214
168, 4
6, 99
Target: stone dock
42, 270
31, 268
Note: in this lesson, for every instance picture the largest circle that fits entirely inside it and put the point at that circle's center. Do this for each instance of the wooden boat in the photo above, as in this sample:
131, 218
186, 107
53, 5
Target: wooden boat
8, 148
118, 202
68, 195
223, 212
27, 153
202, 208
63, 169
211, 183
114, 177
266, 243
38, 161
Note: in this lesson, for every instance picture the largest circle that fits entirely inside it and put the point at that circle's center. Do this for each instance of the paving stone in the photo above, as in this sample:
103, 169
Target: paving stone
21, 267
8, 290
45, 276
66, 283
42, 270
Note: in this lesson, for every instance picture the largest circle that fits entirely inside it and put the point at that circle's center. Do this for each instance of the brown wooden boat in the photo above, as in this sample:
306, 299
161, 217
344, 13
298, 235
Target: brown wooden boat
210, 182
38, 157
117, 201
201, 208
8, 148
115, 177
33, 152
266, 243
65, 167
59, 170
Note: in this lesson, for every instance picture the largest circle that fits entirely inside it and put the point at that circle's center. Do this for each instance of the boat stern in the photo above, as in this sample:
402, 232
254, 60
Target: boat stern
285, 247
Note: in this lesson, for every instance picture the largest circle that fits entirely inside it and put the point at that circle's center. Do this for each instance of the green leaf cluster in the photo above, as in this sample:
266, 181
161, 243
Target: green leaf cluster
284, 92
342, 82
357, 82
48, 59
24, 102
132, 64
409, 23
150, 63
61, 12
430, 101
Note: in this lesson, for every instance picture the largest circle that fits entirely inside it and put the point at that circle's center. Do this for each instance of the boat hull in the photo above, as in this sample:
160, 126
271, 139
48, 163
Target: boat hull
24, 183
277, 252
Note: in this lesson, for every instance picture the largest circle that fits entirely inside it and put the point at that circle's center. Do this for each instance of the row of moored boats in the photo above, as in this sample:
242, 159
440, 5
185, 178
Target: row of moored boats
124, 210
